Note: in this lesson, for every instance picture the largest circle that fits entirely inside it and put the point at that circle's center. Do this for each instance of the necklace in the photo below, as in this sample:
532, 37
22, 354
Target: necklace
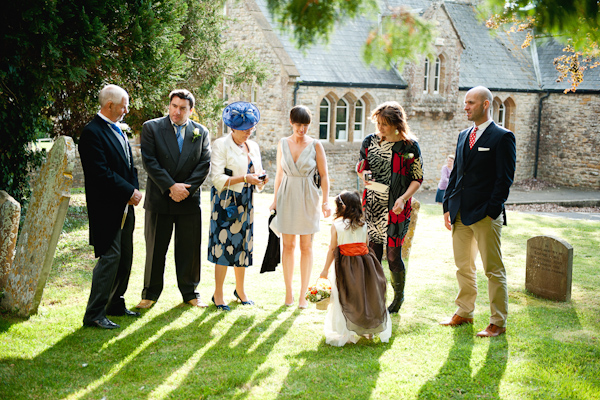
241, 146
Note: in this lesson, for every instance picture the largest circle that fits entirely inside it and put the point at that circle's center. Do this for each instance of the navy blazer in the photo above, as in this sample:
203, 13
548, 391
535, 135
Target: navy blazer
165, 166
109, 182
481, 178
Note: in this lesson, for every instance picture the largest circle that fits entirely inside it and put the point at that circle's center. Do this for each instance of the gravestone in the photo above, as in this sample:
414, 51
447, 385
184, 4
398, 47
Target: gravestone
10, 212
408, 239
42, 227
549, 268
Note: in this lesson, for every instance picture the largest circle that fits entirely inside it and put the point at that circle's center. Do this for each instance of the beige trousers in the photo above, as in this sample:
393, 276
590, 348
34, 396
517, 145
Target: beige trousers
484, 236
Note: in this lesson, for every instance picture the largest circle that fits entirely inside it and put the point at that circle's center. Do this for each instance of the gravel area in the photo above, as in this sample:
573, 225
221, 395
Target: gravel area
536, 184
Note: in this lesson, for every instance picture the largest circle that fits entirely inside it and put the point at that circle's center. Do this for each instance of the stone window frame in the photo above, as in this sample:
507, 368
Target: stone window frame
351, 100
326, 123
509, 106
434, 75
359, 137
346, 106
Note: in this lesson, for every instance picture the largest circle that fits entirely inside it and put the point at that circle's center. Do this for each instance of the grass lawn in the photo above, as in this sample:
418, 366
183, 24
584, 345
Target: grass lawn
551, 350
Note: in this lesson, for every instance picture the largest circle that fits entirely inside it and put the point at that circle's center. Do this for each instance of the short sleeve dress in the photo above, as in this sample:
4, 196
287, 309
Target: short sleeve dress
298, 195
358, 289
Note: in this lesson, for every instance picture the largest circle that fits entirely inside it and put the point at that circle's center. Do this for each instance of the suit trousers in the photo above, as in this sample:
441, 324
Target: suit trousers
158, 231
484, 236
111, 274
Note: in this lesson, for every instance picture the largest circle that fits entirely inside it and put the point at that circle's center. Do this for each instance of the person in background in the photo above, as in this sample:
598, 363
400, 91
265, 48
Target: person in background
236, 170
444, 176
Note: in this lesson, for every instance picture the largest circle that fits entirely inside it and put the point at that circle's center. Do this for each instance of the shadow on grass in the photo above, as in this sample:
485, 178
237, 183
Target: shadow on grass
559, 339
80, 360
228, 369
348, 372
454, 378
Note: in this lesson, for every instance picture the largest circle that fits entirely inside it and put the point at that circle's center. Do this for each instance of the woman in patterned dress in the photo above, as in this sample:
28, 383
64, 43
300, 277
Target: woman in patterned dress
393, 159
236, 169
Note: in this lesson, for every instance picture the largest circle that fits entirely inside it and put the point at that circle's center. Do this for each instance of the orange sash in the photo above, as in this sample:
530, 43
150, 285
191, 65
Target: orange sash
354, 249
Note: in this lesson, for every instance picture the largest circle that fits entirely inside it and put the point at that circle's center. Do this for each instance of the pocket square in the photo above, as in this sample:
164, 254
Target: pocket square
483, 149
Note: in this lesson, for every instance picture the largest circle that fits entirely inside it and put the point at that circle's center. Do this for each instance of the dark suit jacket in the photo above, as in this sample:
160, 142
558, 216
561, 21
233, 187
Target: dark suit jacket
165, 166
109, 182
481, 178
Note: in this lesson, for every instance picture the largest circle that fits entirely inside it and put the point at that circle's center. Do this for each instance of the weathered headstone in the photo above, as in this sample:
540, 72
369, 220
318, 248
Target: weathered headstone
414, 215
549, 268
42, 227
10, 213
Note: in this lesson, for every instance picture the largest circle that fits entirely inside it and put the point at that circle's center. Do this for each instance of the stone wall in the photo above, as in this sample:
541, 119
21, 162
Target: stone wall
570, 140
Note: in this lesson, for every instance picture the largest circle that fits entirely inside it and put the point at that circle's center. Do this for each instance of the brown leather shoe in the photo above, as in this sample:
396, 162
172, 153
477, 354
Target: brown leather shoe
145, 304
457, 320
491, 331
197, 303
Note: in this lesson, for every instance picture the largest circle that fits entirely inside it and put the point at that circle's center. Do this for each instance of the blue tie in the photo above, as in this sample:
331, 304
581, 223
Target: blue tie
179, 137
119, 131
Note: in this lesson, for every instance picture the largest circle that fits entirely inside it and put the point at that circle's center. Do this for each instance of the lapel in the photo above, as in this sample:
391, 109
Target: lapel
481, 142
168, 133
112, 138
188, 145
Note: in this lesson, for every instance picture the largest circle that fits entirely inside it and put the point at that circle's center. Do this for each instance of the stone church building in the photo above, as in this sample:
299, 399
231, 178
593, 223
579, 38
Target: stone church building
558, 138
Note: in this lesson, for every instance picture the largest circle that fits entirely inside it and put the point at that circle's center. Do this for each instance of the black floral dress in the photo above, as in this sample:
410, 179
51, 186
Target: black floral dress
396, 165
230, 240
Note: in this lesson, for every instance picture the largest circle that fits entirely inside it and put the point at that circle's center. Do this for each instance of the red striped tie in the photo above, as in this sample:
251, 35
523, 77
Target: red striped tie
472, 138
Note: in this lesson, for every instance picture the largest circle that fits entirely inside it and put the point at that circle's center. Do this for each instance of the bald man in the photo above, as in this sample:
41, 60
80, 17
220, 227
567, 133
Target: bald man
479, 184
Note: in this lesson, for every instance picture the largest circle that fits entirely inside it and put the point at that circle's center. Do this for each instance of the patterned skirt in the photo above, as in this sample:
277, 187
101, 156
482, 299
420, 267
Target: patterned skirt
230, 241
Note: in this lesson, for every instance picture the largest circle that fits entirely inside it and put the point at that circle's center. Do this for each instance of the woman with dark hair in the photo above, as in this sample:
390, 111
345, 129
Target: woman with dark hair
236, 171
300, 161
390, 165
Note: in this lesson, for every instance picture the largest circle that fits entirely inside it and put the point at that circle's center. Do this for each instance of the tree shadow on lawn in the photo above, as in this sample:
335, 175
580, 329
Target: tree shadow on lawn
556, 352
227, 370
454, 378
329, 372
79, 360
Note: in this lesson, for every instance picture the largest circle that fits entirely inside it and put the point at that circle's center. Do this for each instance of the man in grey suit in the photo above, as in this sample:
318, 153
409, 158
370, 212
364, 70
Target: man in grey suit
479, 183
176, 154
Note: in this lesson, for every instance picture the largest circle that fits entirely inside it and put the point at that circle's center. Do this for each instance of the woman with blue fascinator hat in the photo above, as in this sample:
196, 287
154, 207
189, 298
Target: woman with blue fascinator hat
236, 170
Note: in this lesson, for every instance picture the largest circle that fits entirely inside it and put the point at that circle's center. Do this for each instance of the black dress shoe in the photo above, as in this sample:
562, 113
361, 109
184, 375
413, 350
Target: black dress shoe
244, 303
122, 312
103, 323
221, 307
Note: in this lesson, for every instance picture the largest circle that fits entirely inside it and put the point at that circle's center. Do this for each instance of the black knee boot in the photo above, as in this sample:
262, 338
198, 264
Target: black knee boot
398, 279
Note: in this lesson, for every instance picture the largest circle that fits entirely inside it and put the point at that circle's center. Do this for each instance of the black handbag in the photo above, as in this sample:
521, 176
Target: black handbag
317, 179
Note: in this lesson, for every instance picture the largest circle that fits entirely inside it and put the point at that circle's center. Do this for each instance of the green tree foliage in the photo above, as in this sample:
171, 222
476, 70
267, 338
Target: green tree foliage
576, 23
401, 35
57, 55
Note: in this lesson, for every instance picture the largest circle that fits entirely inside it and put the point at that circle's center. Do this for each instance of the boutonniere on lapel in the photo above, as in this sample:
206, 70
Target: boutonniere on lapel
197, 135
408, 156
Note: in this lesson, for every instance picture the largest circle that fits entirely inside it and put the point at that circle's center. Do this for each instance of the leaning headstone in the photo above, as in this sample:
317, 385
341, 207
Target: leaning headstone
42, 227
10, 213
408, 239
549, 268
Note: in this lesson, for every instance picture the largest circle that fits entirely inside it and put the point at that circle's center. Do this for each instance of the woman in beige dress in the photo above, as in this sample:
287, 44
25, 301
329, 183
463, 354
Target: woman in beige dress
299, 159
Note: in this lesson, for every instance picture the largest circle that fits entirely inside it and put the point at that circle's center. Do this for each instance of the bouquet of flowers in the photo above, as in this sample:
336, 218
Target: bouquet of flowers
319, 293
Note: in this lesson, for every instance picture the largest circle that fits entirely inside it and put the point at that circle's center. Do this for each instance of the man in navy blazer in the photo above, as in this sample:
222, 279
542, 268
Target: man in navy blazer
483, 172
111, 191
176, 154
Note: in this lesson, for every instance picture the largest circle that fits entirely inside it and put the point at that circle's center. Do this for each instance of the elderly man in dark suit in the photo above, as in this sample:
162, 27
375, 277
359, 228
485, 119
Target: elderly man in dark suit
111, 191
176, 154
483, 172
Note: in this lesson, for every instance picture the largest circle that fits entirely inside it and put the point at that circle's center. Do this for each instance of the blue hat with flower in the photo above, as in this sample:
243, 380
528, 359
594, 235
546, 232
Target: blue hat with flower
241, 115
